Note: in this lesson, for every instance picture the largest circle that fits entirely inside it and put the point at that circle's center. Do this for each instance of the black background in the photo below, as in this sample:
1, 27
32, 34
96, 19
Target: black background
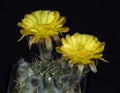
97, 17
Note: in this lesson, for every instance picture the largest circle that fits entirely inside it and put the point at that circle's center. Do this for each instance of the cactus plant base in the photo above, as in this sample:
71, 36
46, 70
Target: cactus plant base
45, 77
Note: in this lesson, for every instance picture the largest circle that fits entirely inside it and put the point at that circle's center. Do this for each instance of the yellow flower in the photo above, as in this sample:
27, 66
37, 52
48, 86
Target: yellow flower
42, 25
81, 49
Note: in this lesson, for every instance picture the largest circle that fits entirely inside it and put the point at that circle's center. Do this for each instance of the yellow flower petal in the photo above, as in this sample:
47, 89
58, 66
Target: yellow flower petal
62, 29
60, 22
57, 16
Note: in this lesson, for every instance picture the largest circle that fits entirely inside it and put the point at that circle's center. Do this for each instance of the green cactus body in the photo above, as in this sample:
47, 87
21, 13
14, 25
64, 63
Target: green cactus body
47, 77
